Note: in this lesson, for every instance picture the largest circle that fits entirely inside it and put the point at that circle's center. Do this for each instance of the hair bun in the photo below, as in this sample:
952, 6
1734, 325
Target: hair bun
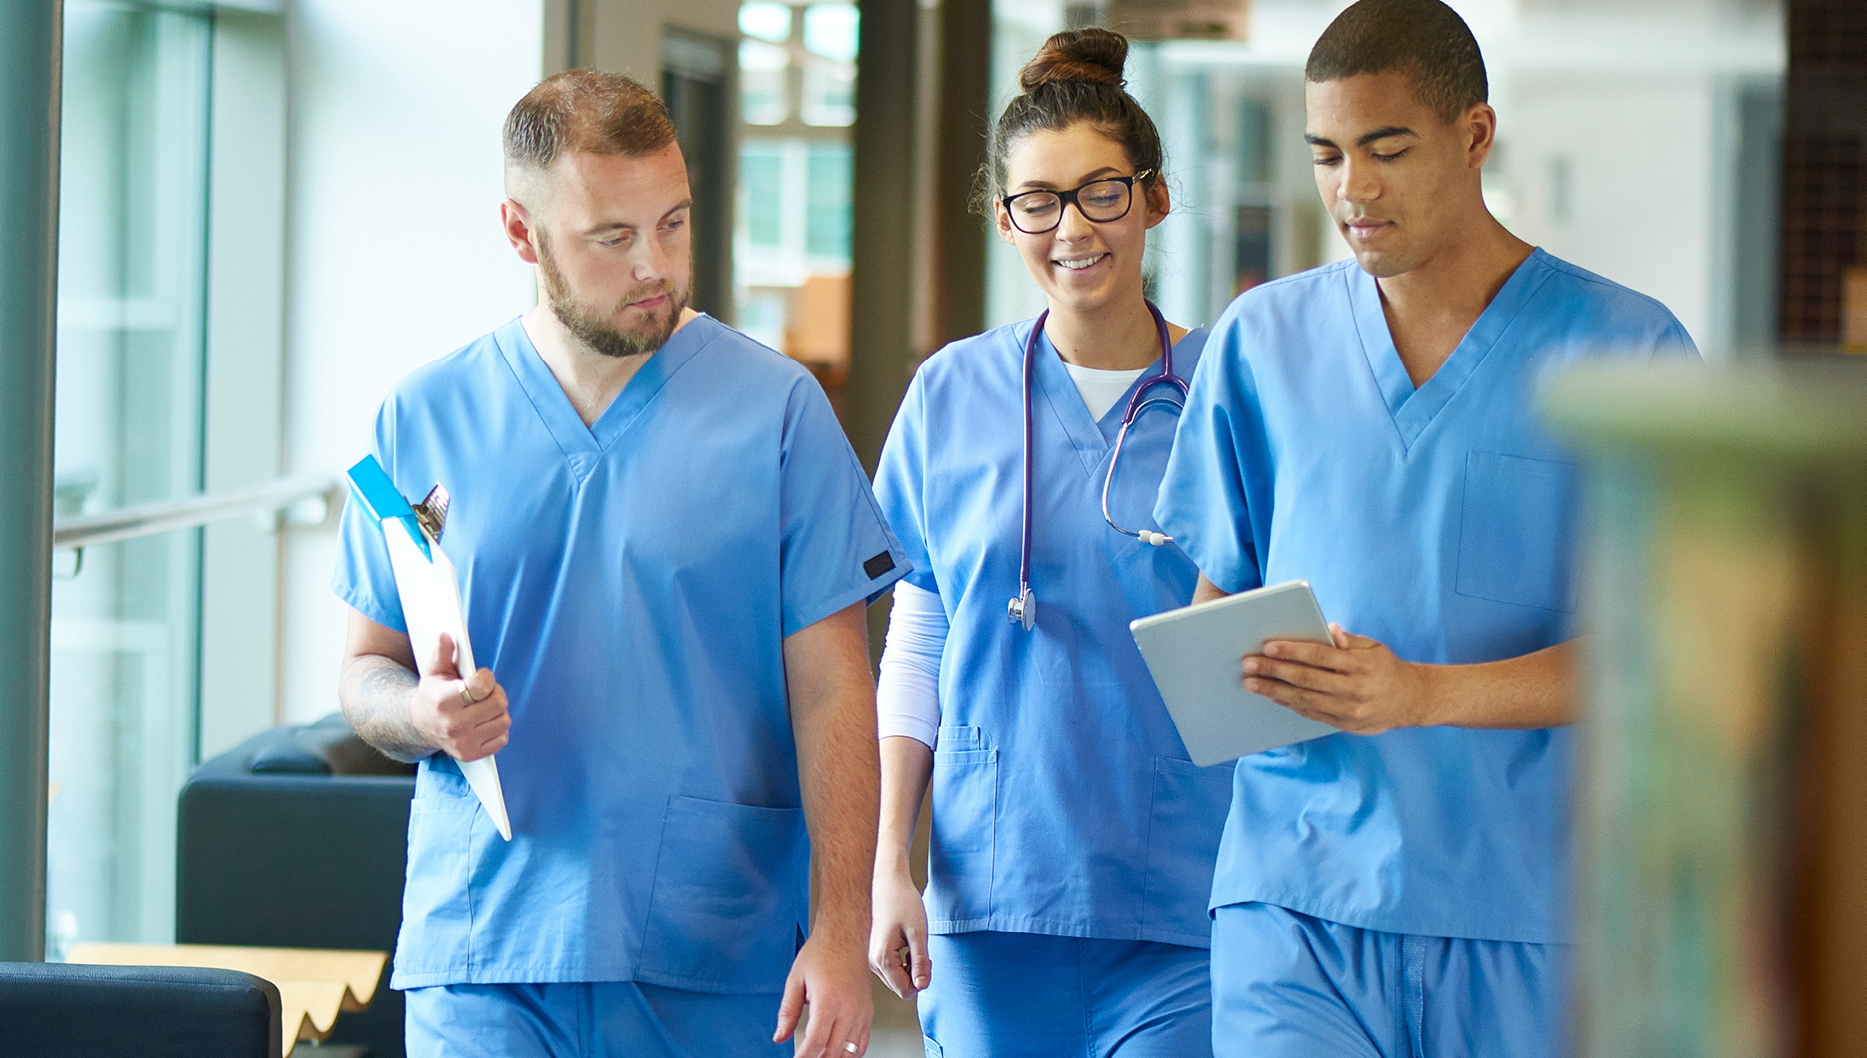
1094, 55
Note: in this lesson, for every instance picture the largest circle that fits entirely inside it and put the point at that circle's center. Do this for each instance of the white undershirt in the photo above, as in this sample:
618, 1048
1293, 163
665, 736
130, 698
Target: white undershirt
907, 692
1101, 389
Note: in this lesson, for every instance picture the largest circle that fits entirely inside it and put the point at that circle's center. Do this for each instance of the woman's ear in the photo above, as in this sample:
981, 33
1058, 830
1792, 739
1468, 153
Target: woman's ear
1159, 202
1002, 217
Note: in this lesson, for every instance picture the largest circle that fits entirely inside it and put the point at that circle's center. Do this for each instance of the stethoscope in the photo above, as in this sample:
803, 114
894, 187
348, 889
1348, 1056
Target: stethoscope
1023, 607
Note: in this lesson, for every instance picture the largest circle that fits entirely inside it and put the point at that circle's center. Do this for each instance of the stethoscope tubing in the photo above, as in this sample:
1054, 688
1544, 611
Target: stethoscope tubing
1022, 609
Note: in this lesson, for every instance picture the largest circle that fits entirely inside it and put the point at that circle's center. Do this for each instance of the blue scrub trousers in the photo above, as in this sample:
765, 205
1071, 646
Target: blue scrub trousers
1013, 995
1286, 985
605, 1019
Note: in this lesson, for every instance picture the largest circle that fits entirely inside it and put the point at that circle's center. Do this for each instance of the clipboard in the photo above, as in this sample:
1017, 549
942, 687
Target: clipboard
430, 592
1194, 654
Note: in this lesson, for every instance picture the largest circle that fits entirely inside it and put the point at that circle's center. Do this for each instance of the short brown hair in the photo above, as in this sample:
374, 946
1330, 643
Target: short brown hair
585, 110
1423, 39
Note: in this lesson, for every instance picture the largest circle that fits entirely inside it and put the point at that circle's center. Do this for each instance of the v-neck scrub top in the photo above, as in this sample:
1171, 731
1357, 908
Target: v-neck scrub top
630, 584
1439, 521
1063, 799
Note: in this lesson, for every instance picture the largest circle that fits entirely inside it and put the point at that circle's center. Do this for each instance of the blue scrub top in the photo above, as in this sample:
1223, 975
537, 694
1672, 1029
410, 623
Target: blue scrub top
1439, 521
1063, 800
630, 583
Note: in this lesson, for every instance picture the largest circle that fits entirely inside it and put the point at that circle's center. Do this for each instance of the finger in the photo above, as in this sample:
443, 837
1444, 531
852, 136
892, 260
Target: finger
1342, 639
440, 660
1320, 655
1296, 674
887, 966
483, 684
791, 1008
1298, 700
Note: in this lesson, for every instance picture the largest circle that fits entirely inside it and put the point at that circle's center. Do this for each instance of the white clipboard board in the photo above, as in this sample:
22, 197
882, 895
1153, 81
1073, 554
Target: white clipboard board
1194, 654
430, 592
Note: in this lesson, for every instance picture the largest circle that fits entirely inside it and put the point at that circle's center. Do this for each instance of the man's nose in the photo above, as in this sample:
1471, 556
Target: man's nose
1358, 181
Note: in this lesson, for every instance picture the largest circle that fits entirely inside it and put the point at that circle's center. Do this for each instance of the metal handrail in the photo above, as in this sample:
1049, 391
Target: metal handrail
147, 519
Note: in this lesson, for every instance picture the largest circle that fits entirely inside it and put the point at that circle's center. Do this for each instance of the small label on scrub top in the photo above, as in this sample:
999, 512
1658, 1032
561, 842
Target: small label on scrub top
878, 565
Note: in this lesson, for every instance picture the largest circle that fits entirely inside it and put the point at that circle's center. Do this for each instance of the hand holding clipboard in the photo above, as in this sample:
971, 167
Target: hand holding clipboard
431, 607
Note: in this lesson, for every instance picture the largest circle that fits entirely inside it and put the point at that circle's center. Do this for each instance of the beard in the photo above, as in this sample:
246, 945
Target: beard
593, 327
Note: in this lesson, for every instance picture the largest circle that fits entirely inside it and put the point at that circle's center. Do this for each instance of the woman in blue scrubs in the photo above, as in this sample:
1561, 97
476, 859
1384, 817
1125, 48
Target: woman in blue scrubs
1073, 842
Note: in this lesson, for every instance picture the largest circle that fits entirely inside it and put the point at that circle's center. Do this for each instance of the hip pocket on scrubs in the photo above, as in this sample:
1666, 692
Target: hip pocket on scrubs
1187, 818
727, 907
437, 918
1516, 530
965, 824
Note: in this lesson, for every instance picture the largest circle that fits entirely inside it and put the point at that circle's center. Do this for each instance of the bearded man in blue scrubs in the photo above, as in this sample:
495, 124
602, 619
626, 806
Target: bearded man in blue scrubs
1399, 889
665, 548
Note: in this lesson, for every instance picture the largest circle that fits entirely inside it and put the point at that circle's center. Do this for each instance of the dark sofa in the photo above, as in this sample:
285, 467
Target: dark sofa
297, 838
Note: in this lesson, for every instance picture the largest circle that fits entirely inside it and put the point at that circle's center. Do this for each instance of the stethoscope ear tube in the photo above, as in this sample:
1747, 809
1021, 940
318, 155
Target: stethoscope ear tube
1022, 609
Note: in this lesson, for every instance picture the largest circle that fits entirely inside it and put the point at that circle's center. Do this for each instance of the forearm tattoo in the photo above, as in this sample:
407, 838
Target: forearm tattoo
376, 694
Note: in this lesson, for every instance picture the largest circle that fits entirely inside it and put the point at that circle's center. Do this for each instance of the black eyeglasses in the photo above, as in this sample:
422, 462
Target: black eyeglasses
1104, 200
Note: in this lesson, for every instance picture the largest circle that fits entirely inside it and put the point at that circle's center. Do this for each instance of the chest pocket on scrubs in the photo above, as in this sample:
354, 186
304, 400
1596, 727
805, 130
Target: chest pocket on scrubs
727, 907
1515, 531
965, 810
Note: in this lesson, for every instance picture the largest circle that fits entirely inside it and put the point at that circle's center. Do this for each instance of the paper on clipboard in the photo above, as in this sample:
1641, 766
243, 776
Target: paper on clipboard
430, 593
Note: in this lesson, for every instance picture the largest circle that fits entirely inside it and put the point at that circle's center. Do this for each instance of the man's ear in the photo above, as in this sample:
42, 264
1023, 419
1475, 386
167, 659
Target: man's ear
517, 222
1479, 126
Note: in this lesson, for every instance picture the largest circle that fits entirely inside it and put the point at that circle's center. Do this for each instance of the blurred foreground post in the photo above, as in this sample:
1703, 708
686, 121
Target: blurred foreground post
29, 84
1722, 795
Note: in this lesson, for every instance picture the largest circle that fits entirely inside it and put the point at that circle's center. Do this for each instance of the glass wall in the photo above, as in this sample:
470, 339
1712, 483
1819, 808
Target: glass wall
797, 66
1641, 142
125, 617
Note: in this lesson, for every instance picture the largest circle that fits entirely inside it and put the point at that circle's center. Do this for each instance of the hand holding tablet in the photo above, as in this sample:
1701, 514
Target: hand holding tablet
1194, 654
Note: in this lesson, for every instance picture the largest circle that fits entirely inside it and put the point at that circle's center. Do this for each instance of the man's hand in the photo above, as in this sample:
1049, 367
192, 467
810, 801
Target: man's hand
407, 718
898, 939
828, 974
464, 718
1357, 685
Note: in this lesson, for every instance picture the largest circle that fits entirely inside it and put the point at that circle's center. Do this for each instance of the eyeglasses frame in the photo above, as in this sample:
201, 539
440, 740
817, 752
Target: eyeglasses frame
1068, 198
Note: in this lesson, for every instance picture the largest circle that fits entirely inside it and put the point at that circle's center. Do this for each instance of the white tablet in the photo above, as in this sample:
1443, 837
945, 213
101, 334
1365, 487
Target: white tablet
1195, 653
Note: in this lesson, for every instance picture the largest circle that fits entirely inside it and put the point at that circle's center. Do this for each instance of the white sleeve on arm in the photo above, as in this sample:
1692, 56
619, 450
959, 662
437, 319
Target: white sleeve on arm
907, 694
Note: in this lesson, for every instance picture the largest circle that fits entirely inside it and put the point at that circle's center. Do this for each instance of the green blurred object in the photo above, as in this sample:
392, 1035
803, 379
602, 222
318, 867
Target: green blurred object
1722, 793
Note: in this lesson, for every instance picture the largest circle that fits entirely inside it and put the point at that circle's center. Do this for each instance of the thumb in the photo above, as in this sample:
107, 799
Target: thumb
441, 658
922, 966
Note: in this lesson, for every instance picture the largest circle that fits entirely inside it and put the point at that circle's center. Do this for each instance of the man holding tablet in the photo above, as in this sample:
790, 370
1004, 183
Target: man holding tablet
1400, 889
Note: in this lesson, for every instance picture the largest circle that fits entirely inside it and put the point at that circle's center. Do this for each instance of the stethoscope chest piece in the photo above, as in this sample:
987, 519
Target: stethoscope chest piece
1022, 609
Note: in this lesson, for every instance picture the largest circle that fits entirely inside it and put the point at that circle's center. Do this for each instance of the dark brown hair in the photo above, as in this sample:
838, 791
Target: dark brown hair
1075, 77
1424, 39
585, 110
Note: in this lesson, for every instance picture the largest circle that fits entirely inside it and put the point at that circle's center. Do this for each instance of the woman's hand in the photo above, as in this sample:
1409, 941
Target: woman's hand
898, 938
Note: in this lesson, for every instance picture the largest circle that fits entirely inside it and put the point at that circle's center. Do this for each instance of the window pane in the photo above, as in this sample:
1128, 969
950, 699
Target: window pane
829, 94
762, 83
124, 653
830, 31
766, 20
761, 177
826, 232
